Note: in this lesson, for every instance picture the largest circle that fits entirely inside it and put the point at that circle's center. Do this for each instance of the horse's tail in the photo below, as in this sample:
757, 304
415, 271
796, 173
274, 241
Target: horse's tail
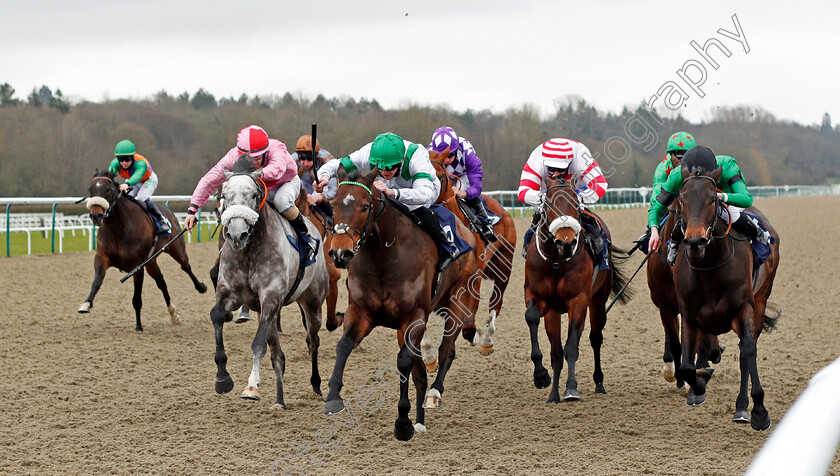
618, 257
770, 321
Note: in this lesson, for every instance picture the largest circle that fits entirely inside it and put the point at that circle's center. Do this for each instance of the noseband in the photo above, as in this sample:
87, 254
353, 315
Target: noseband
262, 194
710, 230
110, 203
364, 233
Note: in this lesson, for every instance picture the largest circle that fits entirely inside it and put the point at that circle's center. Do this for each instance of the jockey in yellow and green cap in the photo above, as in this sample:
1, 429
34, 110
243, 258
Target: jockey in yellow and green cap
405, 174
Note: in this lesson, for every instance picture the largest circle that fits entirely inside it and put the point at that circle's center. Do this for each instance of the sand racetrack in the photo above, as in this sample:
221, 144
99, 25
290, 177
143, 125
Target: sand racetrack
85, 394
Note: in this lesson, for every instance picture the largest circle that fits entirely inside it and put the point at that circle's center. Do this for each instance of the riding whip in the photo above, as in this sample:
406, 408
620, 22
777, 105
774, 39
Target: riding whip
618, 294
144, 263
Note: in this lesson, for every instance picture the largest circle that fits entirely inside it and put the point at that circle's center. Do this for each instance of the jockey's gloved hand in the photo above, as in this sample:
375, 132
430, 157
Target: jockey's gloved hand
642, 243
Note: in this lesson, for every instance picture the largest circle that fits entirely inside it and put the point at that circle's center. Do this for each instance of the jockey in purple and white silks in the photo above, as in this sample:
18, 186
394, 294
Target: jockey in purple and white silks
463, 163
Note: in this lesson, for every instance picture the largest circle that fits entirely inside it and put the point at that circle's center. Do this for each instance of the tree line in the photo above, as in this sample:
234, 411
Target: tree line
49, 147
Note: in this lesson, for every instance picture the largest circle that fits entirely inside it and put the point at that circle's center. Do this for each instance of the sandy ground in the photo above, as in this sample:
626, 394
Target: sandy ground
85, 394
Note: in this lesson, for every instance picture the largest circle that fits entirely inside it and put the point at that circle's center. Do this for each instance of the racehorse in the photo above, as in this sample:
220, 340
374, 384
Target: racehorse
664, 297
127, 238
713, 275
244, 313
259, 267
391, 271
561, 276
495, 260
334, 319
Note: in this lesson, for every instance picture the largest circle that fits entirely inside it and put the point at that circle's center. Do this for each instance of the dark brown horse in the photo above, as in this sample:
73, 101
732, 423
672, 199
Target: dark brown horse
391, 270
126, 238
561, 276
495, 260
716, 292
664, 297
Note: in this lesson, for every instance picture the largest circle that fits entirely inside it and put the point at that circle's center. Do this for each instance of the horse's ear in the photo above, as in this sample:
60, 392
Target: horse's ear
369, 177
342, 174
96, 172
110, 174
445, 152
716, 174
228, 174
684, 171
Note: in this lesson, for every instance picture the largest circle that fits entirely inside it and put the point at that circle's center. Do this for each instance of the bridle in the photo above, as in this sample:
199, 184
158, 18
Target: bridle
710, 230
543, 223
446, 176
262, 194
364, 233
110, 203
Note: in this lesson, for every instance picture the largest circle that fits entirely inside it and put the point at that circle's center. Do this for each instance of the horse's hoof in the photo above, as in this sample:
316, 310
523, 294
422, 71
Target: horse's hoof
668, 371
317, 390
85, 307
403, 432
571, 395
419, 428
741, 416
716, 356
599, 388
706, 373
251, 393
485, 350
245, 318
201, 288
174, 318
433, 400
224, 385
431, 367
474, 341
760, 422
542, 380
138, 329
333, 406
694, 400
277, 408
554, 397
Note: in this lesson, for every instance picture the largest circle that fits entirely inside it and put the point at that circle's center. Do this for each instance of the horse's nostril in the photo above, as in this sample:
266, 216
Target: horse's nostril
346, 255
243, 236
227, 236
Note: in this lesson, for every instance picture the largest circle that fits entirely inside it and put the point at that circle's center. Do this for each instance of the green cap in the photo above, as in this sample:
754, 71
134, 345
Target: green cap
388, 150
125, 147
680, 141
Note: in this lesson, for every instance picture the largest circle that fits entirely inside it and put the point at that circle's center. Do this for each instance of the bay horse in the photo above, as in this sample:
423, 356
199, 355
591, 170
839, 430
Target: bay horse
126, 238
664, 296
258, 268
716, 292
561, 277
495, 260
391, 269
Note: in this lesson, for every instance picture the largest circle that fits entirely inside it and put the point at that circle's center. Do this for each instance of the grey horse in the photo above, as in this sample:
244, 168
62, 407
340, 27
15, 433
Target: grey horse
258, 266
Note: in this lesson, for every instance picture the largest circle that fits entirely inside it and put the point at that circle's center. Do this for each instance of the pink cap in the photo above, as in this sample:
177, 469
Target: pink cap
252, 140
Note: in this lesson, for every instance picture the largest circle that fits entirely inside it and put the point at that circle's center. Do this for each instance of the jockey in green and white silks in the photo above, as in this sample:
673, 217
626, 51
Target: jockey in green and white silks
734, 193
140, 181
405, 174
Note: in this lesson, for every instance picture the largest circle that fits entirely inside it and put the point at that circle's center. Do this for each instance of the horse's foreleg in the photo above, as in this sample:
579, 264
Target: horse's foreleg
278, 363
137, 299
553, 329
333, 320
258, 346
100, 265
154, 271
446, 352
745, 327
673, 350
577, 320
312, 322
355, 329
224, 383
597, 322
687, 369
408, 357
532, 318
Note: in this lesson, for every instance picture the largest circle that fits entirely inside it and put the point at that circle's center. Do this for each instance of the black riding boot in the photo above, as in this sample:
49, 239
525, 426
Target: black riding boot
447, 252
593, 232
677, 236
165, 226
747, 226
311, 243
481, 213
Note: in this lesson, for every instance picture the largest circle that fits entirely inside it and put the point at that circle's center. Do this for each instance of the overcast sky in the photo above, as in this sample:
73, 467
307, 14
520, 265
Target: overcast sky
466, 54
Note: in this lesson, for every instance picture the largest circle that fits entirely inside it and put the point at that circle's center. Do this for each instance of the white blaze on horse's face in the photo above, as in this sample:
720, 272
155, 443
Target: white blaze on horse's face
242, 201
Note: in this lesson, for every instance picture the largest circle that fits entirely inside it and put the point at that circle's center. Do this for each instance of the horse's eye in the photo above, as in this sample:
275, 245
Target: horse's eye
365, 207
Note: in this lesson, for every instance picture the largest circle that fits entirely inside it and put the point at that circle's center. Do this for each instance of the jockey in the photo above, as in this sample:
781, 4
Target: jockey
407, 176
308, 166
734, 193
136, 169
564, 159
464, 164
279, 173
678, 144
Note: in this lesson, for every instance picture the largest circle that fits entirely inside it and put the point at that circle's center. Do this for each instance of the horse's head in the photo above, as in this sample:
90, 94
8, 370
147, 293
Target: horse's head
357, 204
561, 211
439, 162
244, 194
699, 202
103, 192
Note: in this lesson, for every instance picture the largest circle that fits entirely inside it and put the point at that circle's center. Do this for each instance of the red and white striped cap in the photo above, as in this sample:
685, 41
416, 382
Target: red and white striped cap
252, 141
558, 153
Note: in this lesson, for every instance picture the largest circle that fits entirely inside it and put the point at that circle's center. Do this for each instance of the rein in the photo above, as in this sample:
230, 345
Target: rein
448, 185
110, 204
543, 223
341, 228
710, 230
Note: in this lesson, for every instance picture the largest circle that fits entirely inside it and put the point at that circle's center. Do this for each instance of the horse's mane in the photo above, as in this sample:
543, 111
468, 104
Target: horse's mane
104, 173
244, 165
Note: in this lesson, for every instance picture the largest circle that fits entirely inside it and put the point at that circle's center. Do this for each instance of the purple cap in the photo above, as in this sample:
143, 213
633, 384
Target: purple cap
444, 137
